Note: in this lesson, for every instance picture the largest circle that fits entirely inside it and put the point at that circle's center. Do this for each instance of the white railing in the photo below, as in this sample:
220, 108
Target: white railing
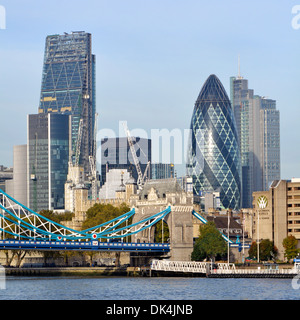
189, 266
179, 266
256, 271
221, 268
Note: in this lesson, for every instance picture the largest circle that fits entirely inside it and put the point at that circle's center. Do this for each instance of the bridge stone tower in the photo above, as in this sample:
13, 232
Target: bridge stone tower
155, 197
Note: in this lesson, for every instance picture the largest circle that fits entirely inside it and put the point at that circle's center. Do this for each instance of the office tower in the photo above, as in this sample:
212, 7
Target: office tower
68, 87
162, 171
116, 154
19, 182
213, 154
259, 138
6, 179
269, 142
47, 159
239, 92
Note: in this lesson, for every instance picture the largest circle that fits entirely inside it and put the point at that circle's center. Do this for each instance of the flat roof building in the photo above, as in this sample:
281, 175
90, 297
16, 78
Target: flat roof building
48, 155
276, 213
116, 154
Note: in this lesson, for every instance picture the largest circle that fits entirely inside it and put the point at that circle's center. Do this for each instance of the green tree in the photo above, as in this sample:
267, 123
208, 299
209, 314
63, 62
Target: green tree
101, 213
253, 250
289, 243
158, 232
57, 217
209, 244
267, 250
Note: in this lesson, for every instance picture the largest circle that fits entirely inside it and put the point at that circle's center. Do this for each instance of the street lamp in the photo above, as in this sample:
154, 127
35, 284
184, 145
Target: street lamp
243, 219
258, 235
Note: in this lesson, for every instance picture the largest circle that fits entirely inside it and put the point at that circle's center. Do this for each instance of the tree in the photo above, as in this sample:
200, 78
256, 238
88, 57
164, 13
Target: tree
290, 243
209, 244
253, 250
57, 217
267, 250
20, 255
158, 232
101, 213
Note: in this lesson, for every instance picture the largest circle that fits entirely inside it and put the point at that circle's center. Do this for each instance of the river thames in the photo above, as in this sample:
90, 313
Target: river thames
136, 288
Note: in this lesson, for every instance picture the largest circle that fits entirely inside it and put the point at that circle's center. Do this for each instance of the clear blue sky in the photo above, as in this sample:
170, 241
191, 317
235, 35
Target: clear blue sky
153, 57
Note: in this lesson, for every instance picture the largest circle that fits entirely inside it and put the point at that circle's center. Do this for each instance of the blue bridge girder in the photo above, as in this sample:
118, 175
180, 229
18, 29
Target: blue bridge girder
83, 246
19, 222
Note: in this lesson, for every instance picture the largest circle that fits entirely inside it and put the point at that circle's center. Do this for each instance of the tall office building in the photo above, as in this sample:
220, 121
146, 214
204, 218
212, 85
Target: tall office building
259, 138
269, 142
162, 171
116, 154
20, 177
47, 160
213, 154
68, 87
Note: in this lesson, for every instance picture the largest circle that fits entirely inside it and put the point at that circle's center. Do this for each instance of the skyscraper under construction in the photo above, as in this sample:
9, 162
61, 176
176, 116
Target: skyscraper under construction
62, 134
68, 87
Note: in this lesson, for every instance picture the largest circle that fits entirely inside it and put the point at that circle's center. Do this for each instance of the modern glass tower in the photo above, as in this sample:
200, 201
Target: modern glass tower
258, 124
68, 87
213, 155
47, 160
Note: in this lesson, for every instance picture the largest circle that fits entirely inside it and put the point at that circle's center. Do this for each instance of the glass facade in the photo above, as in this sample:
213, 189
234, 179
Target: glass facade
68, 85
259, 137
162, 171
59, 155
116, 154
38, 162
213, 159
48, 152
270, 142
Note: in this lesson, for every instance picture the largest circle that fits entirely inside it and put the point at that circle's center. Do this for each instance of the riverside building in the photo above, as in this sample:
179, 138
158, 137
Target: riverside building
276, 213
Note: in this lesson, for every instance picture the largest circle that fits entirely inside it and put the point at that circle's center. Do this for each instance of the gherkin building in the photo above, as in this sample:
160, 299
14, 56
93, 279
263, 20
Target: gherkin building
213, 159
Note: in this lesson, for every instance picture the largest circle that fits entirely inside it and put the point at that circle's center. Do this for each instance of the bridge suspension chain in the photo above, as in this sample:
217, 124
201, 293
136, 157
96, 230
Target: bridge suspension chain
21, 222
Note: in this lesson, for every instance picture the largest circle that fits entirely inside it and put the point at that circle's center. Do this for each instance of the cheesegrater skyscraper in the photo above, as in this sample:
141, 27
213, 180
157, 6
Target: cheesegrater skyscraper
68, 87
62, 135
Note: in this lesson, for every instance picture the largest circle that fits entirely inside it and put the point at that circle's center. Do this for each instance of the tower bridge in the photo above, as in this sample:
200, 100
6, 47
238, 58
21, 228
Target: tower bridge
23, 229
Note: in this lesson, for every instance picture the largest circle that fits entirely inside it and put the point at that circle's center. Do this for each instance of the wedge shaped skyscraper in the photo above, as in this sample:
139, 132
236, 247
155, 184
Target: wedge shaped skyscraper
68, 87
213, 159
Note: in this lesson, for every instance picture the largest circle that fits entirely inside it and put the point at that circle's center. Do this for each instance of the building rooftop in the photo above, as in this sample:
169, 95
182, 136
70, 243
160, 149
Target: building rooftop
162, 187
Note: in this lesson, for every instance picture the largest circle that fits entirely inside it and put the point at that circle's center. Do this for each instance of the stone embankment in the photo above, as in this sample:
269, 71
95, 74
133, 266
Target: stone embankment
65, 271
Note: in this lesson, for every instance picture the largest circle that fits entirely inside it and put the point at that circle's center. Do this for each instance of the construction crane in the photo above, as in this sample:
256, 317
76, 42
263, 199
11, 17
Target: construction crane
75, 172
78, 143
141, 178
93, 166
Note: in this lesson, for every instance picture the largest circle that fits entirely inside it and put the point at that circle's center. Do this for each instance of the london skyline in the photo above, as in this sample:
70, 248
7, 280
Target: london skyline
155, 57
